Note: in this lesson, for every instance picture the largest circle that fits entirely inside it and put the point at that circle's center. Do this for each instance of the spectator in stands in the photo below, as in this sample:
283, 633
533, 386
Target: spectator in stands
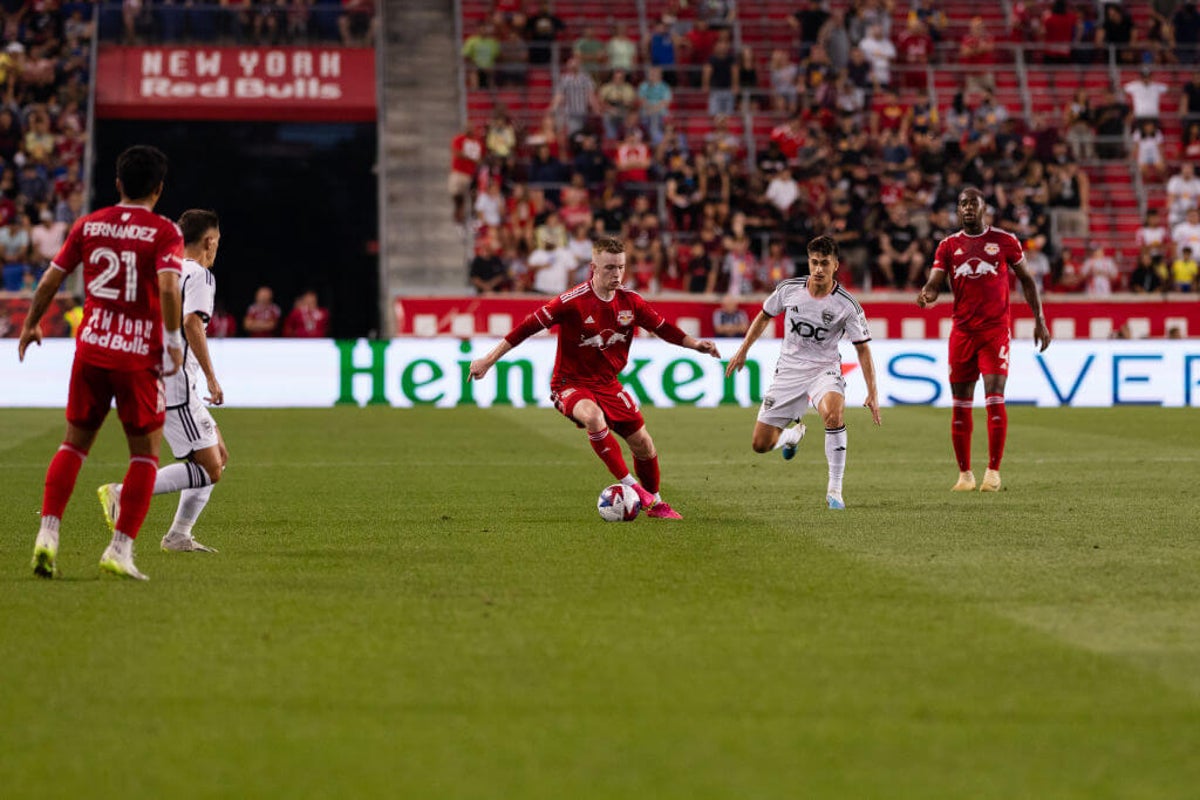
46, 238
1111, 118
698, 274
221, 325
1152, 238
783, 76
1148, 142
1187, 233
1146, 95
576, 99
500, 143
512, 60
654, 103
617, 98
721, 145
1117, 30
718, 13
481, 49
1067, 273
551, 265
307, 319
977, 53
1038, 263
633, 159
1149, 276
489, 206
621, 50
880, 52
541, 31
489, 273
579, 245
466, 154
1070, 197
1078, 119
1184, 271
739, 269
776, 266
720, 78
916, 51
590, 51
550, 233
262, 317
748, 79
1100, 273
807, 20
1183, 193
782, 193
1190, 146
357, 25
661, 52
901, 260
729, 320
1185, 28
1060, 31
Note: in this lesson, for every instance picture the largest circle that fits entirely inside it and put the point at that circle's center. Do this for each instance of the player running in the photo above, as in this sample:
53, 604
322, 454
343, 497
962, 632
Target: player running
596, 322
190, 430
818, 312
977, 260
131, 265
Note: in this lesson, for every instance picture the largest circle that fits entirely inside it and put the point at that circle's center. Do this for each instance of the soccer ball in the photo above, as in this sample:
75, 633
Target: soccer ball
618, 503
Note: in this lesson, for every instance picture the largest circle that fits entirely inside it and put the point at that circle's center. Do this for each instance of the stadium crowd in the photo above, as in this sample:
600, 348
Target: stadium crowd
859, 150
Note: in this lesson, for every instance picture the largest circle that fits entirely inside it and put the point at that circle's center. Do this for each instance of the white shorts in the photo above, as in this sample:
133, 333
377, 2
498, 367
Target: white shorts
189, 428
792, 392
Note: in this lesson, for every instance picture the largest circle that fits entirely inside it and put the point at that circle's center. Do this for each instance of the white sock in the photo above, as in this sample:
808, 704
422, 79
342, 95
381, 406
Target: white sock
789, 437
835, 454
191, 503
177, 477
628, 480
121, 544
48, 531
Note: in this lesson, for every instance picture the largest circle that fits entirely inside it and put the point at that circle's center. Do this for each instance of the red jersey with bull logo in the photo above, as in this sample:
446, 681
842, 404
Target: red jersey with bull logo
978, 267
122, 249
594, 335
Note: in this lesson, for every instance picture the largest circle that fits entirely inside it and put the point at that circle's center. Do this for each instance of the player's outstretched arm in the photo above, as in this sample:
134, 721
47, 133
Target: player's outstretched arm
172, 306
31, 331
868, 369
197, 339
756, 330
706, 346
480, 366
1041, 333
929, 292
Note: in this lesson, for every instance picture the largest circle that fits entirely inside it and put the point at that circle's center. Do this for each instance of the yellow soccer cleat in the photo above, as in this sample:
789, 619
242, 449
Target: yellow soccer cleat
991, 481
110, 501
966, 482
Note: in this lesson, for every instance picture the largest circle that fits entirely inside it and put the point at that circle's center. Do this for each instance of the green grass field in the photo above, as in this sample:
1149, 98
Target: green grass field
424, 604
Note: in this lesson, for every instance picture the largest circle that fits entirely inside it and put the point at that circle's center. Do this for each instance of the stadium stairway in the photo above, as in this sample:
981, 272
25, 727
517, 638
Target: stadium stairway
423, 250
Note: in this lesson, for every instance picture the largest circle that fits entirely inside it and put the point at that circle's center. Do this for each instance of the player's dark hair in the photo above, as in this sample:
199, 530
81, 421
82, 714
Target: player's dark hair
969, 189
141, 170
196, 222
823, 246
608, 244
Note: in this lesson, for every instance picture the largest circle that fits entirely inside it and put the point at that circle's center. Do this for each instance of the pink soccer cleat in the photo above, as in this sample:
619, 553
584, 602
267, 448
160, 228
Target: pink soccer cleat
645, 496
662, 510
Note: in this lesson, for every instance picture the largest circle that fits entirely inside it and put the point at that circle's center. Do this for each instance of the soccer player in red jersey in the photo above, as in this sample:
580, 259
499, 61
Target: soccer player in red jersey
596, 322
131, 260
977, 260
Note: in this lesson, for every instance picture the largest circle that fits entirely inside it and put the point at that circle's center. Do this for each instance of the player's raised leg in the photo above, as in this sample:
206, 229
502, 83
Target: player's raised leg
769, 437
211, 461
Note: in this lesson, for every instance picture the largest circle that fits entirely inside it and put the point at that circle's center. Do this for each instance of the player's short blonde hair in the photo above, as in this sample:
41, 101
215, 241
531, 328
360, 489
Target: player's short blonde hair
608, 244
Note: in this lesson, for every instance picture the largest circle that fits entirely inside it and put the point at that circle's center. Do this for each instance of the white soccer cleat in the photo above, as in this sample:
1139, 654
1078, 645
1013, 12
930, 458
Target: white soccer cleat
991, 481
122, 565
835, 502
966, 482
789, 450
184, 544
110, 501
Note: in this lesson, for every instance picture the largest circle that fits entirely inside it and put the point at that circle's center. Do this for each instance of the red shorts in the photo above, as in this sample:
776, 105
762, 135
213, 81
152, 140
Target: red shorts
141, 403
978, 353
620, 409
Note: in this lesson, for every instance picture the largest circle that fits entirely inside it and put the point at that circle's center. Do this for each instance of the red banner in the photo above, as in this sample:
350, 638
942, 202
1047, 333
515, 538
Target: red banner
301, 84
890, 316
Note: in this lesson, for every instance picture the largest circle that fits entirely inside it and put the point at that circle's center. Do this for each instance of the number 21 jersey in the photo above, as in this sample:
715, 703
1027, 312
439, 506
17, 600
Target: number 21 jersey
122, 249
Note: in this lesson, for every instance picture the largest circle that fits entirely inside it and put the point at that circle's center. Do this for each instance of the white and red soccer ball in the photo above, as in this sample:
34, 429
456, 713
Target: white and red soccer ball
618, 503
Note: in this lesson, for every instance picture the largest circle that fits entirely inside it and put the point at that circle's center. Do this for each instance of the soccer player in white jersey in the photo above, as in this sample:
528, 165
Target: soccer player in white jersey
189, 428
818, 312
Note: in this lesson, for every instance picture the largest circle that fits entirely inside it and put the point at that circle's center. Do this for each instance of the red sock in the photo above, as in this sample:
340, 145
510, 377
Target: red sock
961, 428
60, 479
997, 424
135, 494
647, 473
609, 450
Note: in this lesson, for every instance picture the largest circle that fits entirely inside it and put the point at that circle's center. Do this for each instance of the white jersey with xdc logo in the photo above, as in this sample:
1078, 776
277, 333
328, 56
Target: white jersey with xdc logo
813, 326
